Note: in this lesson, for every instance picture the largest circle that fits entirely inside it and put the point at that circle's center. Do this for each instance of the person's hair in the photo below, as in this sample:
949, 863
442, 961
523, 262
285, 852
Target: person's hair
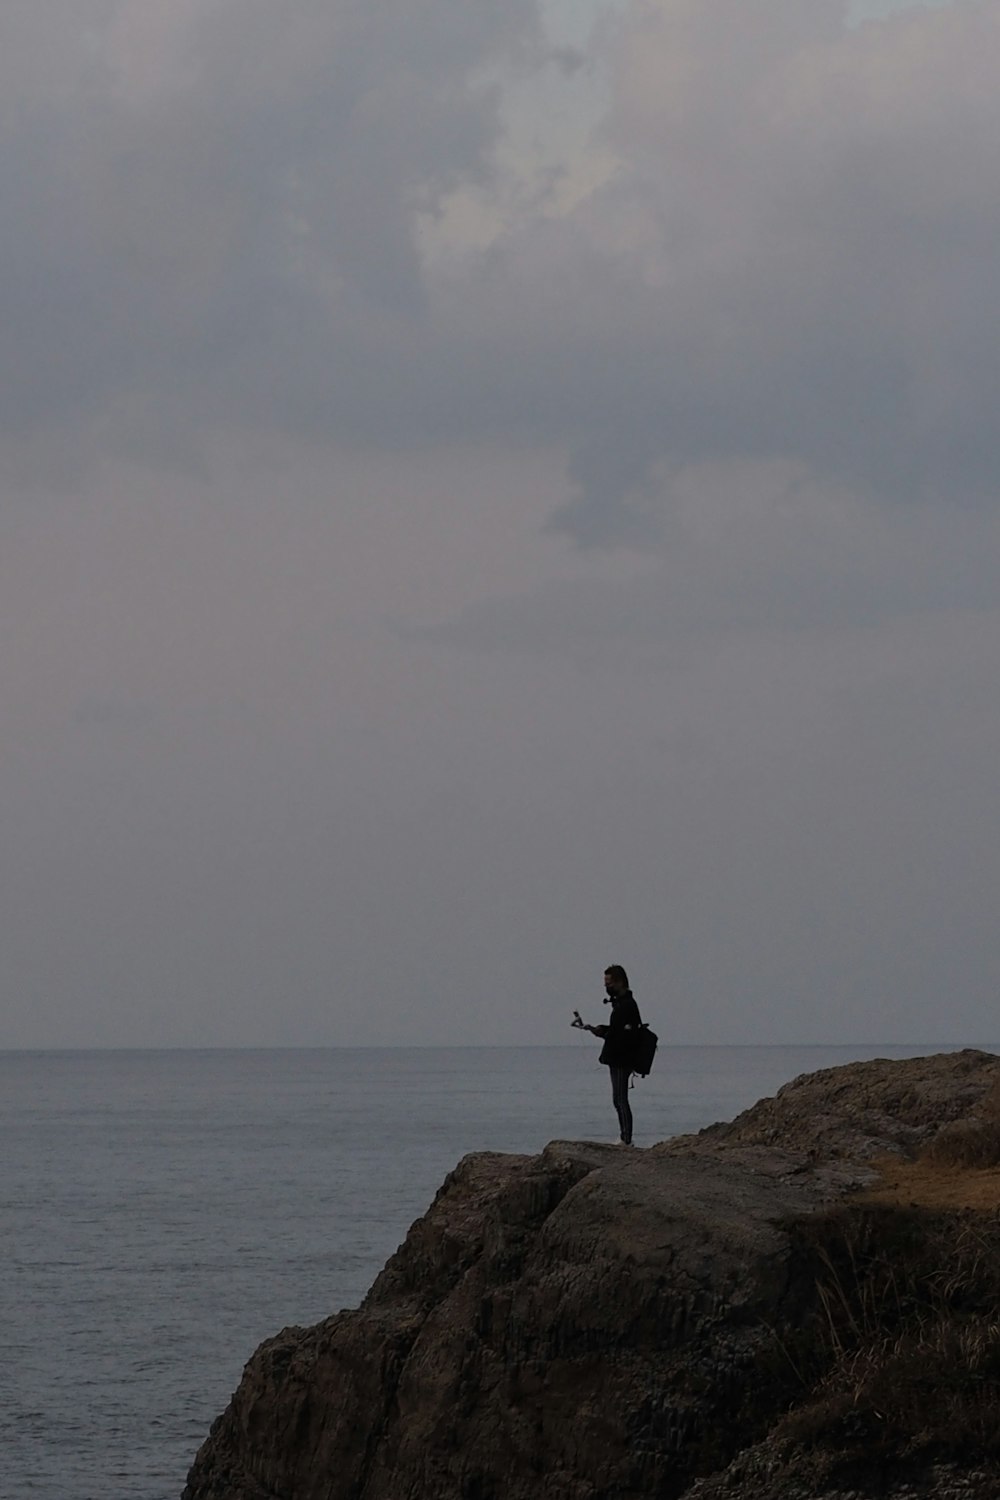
615, 971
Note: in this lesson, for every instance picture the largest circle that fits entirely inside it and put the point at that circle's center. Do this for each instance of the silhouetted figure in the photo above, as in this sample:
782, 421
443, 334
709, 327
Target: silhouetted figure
619, 1035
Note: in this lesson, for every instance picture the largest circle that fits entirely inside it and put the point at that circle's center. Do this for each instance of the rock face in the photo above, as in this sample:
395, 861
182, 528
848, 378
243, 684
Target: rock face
595, 1322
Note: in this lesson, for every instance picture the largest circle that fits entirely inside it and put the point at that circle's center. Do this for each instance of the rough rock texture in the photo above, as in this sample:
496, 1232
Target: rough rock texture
596, 1322
865, 1110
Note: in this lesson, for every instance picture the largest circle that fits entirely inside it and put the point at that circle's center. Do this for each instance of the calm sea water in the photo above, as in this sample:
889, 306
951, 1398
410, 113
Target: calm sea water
162, 1212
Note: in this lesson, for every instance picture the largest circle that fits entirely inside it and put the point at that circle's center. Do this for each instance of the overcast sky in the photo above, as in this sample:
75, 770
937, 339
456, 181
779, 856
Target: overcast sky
493, 490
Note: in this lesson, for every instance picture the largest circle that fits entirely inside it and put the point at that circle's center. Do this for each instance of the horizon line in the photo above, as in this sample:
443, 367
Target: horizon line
458, 1046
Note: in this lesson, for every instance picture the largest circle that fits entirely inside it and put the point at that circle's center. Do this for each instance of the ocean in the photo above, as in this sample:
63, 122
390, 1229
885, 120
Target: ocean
163, 1212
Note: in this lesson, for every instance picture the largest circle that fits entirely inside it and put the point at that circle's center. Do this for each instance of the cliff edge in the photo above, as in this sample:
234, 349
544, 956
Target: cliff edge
798, 1304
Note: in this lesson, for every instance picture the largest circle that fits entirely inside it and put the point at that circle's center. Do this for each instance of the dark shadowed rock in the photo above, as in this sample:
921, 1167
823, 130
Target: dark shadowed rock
595, 1322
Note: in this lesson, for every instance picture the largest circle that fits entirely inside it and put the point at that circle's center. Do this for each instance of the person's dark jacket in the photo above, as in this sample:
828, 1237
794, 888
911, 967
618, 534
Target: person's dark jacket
620, 1032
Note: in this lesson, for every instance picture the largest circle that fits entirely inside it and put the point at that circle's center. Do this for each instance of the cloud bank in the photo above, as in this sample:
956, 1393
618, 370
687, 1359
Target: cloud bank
472, 493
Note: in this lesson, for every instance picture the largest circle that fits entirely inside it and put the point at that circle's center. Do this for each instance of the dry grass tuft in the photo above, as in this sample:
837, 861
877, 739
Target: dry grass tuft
906, 1334
971, 1144
934, 1389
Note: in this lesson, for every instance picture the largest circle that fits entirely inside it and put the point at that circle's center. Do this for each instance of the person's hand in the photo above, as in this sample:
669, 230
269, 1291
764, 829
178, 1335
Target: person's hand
577, 1021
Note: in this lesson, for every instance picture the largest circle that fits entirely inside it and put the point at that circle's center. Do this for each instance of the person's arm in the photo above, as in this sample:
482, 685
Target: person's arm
632, 1019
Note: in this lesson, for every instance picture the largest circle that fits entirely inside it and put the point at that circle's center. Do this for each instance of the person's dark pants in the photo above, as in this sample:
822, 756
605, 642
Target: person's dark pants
619, 1093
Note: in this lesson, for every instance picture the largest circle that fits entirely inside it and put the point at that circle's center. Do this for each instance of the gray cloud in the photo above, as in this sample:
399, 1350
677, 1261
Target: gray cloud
816, 210
212, 209
746, 549
113, 714
794, 258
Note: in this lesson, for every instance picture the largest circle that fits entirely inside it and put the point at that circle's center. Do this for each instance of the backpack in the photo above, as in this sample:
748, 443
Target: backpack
644, 1050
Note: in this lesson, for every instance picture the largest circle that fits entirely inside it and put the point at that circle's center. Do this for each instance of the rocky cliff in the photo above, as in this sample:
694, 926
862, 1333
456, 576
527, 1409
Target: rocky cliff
800, 1303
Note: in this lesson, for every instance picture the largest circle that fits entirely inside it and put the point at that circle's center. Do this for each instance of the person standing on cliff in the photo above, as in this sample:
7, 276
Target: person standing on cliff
619, 1036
